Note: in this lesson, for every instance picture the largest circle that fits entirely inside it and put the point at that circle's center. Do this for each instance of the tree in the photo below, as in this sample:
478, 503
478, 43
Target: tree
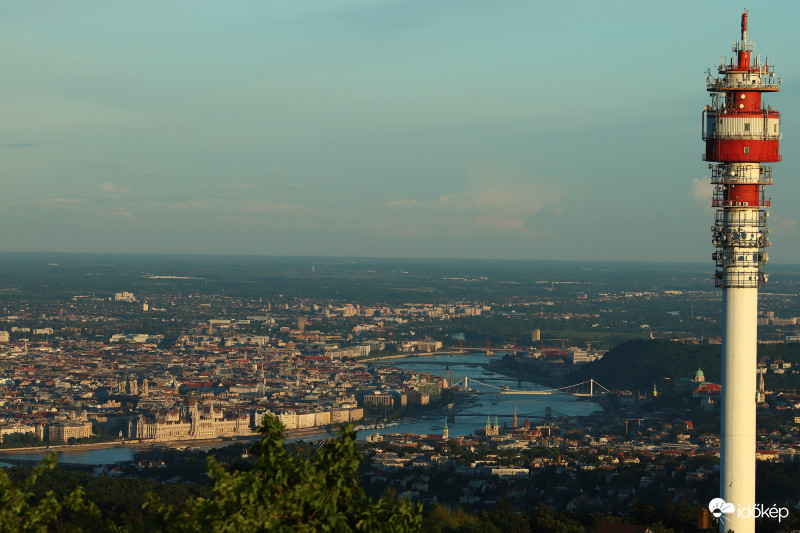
20, 440
288, 493
20, 510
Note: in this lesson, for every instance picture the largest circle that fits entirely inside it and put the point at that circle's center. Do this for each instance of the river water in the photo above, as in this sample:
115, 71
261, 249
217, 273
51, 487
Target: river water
104, 456
93, 456
487, 384
489, 402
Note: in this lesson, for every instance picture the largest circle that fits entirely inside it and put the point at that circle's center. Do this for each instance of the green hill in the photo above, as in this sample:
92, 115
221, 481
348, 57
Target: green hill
640, 363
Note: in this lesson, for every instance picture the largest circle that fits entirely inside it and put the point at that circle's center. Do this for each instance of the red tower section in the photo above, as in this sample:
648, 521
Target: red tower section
738, 128
742, 137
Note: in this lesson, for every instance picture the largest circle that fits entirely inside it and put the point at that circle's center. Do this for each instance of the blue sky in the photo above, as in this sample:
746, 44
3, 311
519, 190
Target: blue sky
375, 128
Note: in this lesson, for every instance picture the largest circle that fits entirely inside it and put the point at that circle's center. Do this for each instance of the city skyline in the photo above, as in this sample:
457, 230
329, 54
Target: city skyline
375, 129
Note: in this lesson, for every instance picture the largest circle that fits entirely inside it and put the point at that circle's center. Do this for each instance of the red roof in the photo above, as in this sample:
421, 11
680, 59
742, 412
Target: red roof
711, 388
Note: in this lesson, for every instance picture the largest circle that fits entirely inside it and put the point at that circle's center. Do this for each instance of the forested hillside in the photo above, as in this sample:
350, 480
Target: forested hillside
640, 363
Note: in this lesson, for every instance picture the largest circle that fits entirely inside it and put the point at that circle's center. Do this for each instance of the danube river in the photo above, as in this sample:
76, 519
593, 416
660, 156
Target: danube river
106, 455
488, 402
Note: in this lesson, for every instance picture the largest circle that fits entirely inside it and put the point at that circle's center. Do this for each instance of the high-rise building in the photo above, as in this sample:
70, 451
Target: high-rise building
742, 134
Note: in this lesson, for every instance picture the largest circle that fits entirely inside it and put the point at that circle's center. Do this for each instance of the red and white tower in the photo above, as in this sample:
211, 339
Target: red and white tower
741, 135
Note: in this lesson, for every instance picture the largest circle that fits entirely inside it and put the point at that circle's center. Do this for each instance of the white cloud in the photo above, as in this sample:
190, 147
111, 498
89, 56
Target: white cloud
488, 206
701, 191
111, 188
55, 201
110, 191
786, 223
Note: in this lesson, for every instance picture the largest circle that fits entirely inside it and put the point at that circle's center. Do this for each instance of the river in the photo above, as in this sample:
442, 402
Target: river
108, 455
488, 402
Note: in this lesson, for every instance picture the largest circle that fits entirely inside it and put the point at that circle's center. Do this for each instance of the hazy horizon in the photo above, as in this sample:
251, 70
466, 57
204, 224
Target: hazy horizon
704, 265
376, 129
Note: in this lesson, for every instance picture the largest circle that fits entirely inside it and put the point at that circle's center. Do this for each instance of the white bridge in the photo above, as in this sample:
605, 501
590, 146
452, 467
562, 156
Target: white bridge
587, 388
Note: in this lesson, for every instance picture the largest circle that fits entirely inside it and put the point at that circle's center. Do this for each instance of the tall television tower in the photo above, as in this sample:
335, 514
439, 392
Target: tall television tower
741, 135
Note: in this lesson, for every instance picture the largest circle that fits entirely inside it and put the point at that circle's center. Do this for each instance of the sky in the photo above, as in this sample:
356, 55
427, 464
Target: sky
407, 128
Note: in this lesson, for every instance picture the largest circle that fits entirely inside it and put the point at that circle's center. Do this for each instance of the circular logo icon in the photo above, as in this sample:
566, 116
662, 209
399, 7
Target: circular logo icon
718, 507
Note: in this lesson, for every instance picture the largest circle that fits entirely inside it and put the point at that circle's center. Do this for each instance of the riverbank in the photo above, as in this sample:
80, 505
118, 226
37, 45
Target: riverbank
464, 413
462, 405
290, 435
139, 444
405, 356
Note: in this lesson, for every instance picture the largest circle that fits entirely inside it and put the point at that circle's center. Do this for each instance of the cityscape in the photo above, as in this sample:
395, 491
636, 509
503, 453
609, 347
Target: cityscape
389, 267
591, 389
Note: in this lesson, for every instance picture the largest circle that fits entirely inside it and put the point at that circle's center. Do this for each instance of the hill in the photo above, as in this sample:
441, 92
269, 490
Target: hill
637, 364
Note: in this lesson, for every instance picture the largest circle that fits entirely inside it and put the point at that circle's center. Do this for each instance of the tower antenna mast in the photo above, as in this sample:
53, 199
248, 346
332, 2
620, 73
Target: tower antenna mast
742, 136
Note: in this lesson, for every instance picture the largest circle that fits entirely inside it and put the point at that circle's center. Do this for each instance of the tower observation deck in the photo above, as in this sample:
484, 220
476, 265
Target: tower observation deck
742, 135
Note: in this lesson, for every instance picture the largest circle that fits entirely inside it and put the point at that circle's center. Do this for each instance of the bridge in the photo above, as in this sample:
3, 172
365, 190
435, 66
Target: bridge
585, 388
543, 414
433, 363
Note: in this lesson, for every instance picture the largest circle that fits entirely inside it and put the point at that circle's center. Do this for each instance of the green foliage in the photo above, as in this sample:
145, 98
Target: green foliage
283, 492
119, 500
21, 510
20, 440
546, 520
440, 519
665, 518
288, 493
639, 364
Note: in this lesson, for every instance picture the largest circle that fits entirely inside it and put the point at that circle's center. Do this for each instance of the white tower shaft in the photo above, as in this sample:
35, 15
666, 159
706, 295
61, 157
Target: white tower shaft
738, 431
742, 136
